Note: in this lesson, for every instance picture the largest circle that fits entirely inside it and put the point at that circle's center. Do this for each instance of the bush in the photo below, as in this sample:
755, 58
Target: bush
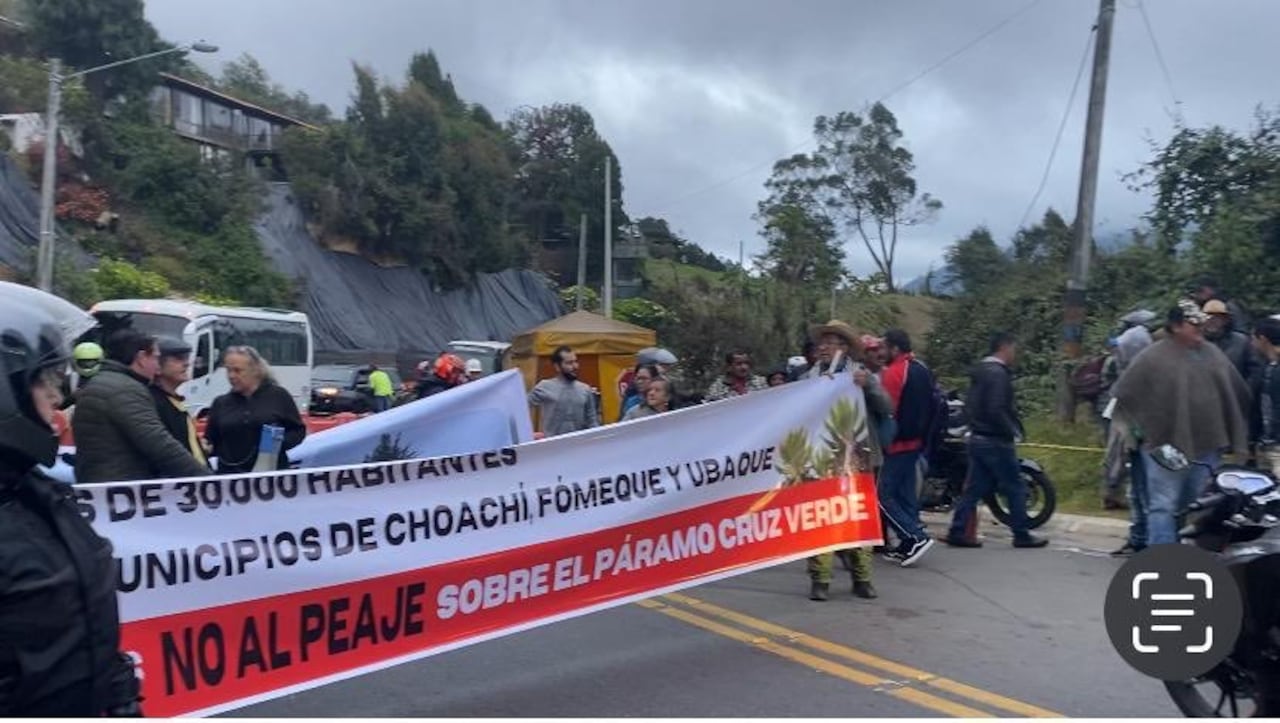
117, 279
643, 312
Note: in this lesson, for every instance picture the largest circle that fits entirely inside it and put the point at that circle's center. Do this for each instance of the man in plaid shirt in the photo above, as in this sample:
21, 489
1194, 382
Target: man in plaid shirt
737, 380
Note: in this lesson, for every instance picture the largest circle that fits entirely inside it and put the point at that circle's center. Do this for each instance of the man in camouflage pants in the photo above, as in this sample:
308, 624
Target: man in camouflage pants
833, 337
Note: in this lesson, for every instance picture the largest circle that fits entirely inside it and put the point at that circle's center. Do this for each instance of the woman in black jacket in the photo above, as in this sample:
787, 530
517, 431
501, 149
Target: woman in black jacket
59, 622
236, 419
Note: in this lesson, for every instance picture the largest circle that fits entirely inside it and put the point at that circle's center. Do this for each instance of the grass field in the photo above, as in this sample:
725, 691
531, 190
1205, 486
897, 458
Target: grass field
1076, 474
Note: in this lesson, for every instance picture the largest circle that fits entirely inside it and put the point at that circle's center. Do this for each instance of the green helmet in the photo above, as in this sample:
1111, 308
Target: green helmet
88, 358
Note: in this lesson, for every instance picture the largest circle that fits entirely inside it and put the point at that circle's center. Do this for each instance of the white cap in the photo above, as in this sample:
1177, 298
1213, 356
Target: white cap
473, 365
655, 355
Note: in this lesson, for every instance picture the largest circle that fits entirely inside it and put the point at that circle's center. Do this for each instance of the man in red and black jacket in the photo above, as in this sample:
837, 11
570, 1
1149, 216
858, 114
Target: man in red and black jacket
910, 386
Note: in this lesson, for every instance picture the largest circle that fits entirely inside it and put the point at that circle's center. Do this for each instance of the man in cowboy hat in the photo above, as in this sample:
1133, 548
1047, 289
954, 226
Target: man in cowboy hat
1219, 329
838, 339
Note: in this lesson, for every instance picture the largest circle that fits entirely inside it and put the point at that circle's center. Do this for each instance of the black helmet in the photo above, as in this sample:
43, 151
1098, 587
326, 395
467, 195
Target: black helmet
34, 331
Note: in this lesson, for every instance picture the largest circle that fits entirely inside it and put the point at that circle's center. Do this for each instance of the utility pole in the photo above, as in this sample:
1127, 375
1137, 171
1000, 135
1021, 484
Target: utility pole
742, 245
582, 260
608, 237
1074, 300
44, 252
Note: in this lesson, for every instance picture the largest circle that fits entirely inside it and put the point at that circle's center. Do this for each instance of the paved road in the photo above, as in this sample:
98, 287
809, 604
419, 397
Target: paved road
995, 631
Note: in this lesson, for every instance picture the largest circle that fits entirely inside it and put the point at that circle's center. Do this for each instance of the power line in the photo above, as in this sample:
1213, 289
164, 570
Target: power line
1062, 125
1164, 68
898, 89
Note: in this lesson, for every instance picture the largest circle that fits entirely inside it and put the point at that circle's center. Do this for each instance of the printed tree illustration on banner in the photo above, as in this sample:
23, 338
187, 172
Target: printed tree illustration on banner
838, 453
389, 450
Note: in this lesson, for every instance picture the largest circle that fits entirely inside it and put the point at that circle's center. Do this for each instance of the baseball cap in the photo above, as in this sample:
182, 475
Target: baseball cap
474, 367
1215, 306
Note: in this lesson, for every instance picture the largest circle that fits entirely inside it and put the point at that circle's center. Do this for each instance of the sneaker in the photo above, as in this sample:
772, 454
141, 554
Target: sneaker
864, 590
916, 551
1030, 541
893, 555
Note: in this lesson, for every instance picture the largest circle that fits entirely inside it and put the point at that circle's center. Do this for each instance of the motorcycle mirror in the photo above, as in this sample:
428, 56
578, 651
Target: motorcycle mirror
1244, 482
1171, 458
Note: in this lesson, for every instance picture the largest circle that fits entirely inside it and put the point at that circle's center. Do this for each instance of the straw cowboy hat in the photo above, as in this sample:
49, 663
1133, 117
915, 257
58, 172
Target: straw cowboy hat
837, 328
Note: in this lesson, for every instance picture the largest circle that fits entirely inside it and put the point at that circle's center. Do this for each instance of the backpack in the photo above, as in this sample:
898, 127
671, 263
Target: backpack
1086, 380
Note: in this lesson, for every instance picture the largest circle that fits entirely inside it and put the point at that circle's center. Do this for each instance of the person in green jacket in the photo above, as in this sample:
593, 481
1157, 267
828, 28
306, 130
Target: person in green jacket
380, 384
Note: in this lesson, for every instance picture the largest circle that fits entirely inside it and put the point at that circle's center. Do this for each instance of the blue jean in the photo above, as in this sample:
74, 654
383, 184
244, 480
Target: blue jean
898, 498
381, 404
993, 466
1169, 493
1137, 500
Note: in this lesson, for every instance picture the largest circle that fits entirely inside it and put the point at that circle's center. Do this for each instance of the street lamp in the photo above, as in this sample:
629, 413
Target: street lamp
44, 253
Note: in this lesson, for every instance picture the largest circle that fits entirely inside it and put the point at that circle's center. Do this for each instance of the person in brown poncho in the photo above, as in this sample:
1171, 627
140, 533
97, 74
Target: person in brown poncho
1183, 392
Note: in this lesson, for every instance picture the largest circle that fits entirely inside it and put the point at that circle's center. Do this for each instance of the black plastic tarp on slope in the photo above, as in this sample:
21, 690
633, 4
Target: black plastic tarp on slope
19, 218
20, 223
356, 305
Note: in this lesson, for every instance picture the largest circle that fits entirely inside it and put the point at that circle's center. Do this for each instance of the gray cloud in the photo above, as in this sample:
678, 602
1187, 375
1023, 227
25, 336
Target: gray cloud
699, 98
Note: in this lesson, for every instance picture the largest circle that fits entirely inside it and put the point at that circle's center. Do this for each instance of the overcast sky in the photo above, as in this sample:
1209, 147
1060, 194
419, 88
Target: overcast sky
698, 98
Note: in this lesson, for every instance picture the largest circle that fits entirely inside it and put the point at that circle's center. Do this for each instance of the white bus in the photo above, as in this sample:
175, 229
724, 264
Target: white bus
282, 337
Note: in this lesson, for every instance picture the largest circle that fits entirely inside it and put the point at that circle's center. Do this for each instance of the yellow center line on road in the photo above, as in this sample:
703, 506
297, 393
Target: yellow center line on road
976, 695
878, 683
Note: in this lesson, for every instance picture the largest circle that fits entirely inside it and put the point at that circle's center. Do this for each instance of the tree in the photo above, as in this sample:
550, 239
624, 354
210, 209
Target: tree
559, 175
88, 33
800, 248
246, 79
413, 174
975, 261
860, 177
663, 243
1201, 170
1047, 243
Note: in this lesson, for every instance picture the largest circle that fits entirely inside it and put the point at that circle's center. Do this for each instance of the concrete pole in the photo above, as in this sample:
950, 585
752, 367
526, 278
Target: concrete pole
608, 237
582, 261
48, 182
1074, 300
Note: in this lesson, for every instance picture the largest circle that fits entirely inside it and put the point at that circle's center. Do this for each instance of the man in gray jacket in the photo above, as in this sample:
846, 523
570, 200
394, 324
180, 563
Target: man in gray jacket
118, 432
564, 404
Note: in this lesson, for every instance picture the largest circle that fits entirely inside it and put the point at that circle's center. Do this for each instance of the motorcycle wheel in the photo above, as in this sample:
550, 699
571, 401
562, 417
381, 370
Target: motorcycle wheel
1211, 698
1042, 500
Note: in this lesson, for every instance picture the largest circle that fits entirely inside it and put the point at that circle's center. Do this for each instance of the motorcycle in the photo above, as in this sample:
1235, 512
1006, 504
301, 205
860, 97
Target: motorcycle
1238, 519
945, 467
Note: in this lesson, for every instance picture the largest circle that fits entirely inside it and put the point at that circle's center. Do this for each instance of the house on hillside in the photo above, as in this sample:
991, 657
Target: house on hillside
223, 126
557, 257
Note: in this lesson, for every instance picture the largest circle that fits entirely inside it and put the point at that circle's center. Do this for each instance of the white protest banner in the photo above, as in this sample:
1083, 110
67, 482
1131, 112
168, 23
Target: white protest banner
490, 413
240, 589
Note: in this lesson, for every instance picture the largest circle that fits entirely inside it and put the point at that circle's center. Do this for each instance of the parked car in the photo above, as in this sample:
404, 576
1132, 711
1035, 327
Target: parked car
491, 354
337, 388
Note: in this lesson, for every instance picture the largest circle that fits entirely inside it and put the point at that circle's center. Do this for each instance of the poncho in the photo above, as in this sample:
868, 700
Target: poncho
1193, 399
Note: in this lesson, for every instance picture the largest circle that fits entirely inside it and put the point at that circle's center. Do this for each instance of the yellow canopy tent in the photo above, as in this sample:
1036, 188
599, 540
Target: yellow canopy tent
605, 349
